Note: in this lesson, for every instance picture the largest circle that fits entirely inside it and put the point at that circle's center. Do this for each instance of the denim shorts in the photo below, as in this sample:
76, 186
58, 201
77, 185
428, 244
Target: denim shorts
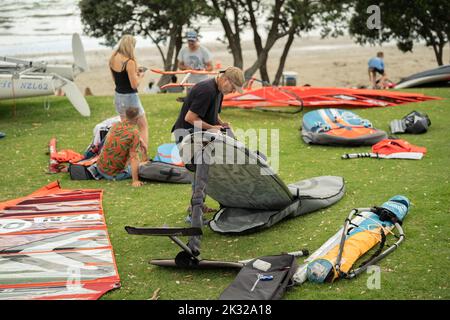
125, 174
123, 101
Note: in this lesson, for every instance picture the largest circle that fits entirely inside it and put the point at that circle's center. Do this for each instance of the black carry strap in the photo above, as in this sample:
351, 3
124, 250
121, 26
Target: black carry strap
124, 65
379, 250
386, 215
170, 174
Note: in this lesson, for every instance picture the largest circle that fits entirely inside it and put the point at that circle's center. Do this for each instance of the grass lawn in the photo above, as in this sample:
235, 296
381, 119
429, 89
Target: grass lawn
418, 270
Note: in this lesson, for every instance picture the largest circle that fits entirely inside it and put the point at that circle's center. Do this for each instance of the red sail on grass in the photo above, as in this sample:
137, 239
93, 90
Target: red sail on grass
54, 245
317, 97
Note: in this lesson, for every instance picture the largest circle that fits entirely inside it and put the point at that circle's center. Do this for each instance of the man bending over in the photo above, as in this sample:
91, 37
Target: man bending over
376, 65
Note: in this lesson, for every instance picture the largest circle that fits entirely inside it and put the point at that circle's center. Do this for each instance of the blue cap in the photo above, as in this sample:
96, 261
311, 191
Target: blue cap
191, 35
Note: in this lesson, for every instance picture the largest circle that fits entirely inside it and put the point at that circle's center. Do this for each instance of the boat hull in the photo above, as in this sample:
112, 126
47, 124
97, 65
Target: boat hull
26, 86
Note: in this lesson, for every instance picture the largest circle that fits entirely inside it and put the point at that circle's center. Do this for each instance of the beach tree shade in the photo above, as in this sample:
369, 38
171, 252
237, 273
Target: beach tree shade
270, 22
303, 16
237, 15
406, 22
162, 21
229, 13
270, 17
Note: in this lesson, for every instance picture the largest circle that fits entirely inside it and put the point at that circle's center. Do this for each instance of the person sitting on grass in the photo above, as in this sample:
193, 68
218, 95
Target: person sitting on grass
119, 158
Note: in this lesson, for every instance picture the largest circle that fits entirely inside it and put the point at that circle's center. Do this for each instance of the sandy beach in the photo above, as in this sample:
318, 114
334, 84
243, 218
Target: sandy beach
319, 62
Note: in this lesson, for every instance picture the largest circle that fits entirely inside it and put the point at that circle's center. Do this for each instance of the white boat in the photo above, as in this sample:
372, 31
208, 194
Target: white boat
21, 78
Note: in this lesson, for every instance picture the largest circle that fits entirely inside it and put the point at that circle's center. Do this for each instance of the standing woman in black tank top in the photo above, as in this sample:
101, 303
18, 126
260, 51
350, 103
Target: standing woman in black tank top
127, 76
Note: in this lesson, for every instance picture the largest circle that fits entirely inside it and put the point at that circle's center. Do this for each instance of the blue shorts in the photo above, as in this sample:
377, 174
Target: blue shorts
380, 71
125, 174
123, 101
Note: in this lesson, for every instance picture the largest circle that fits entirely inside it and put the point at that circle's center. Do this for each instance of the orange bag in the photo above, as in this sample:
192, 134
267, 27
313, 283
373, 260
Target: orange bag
67, 155
389, 146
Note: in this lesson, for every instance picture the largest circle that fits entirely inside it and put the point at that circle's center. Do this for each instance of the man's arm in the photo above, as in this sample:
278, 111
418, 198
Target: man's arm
182, 66
135, 170
222, 123
196, 121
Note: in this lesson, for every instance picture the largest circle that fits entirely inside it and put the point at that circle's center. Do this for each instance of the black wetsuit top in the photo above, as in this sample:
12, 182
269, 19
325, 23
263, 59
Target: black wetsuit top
205, 100
122, 81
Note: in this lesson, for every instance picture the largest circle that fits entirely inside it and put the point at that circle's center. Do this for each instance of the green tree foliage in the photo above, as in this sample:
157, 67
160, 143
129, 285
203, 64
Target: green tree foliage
230, 15
160, 20
299, 16
278, 19
106, 19
406, 22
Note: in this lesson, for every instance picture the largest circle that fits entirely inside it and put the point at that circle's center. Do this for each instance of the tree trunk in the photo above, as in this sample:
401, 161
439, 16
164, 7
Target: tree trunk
171, 48
438, 49
255, 66
258, 43
262, 57
283, 58
272, 37
263, 71
236, 51
234, 42
178, 45
238, 60
256, 37
161, 52
168, 65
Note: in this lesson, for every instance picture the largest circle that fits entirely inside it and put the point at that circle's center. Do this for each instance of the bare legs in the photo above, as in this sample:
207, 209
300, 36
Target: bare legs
381, 83
143, 131
372, 78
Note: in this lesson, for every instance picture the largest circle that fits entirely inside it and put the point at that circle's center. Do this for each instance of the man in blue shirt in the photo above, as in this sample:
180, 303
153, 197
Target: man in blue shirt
376, 64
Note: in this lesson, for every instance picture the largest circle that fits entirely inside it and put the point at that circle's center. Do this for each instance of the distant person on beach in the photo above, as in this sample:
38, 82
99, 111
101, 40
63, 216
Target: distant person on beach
127, 76
195, 57
119, 158
376, 65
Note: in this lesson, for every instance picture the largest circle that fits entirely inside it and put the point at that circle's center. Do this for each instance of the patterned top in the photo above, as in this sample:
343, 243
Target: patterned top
121, 140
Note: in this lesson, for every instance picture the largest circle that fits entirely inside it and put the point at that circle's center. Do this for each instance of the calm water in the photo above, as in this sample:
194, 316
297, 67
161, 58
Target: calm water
30, 27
